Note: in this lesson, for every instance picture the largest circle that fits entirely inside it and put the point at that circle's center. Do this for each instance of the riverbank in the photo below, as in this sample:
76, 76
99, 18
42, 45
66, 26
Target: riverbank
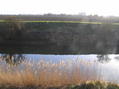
86, 85
59, 38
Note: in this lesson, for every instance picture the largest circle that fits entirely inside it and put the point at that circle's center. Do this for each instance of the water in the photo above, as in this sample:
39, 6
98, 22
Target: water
98, 67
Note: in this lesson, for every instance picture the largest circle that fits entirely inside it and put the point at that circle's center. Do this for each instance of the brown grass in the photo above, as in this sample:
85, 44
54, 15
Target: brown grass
45, 73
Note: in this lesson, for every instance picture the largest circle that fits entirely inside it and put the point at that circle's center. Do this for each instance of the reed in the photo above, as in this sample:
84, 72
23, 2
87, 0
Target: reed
44, 73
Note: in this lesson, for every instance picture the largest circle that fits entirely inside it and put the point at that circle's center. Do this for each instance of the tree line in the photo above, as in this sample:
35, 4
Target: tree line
64, 17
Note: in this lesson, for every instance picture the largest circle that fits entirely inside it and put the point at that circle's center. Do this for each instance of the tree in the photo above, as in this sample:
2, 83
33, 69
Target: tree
14, 28
103, 58
13, 59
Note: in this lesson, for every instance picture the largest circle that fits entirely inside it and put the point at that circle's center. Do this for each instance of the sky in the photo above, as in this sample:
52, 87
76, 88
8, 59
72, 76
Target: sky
90, 7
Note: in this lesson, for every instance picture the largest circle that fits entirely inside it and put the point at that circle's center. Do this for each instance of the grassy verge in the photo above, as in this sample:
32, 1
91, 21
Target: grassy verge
86, 85
64, 22
81, 22
94, 85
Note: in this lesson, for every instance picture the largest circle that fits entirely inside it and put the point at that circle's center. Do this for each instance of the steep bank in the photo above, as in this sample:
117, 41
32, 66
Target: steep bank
60, 38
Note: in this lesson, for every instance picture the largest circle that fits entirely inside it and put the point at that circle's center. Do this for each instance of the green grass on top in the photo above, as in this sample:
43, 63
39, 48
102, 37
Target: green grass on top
82, 22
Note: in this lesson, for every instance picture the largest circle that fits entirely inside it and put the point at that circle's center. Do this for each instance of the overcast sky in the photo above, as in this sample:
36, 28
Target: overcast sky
100, 7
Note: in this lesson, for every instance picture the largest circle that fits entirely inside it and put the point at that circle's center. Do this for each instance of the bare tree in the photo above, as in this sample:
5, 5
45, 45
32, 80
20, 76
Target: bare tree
13, 59
103, 58
14, 28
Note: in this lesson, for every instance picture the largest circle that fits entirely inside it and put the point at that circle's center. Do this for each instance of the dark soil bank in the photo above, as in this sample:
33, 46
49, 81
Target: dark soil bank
59, 38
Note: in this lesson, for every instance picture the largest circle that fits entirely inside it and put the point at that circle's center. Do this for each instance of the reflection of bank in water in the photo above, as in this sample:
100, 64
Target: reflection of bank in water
12, 59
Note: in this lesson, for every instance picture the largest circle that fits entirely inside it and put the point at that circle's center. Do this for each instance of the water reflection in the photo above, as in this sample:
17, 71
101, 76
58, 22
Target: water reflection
13, 59
18, 58
103, 58
87, 67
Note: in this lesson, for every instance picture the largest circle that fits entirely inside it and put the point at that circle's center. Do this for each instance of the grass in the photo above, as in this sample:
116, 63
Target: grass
95, 85
86, 85
48, 75
64, 22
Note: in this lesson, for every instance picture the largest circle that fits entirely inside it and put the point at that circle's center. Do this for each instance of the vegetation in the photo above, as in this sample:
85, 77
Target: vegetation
43, 73
13, 59
51, 34
14, 28
95, 85
64, 17
48, 75
87, 85
61, 38
58, 35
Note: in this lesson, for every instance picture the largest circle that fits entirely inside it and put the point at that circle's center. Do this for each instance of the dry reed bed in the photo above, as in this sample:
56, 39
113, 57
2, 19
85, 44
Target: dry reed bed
44, 73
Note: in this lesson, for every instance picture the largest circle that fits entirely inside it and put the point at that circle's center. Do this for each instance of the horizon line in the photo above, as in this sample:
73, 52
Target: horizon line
80, 14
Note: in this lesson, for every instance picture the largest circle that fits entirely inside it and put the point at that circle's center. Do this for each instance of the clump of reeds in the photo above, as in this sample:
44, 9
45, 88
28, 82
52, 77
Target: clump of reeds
44, 73
94, 85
